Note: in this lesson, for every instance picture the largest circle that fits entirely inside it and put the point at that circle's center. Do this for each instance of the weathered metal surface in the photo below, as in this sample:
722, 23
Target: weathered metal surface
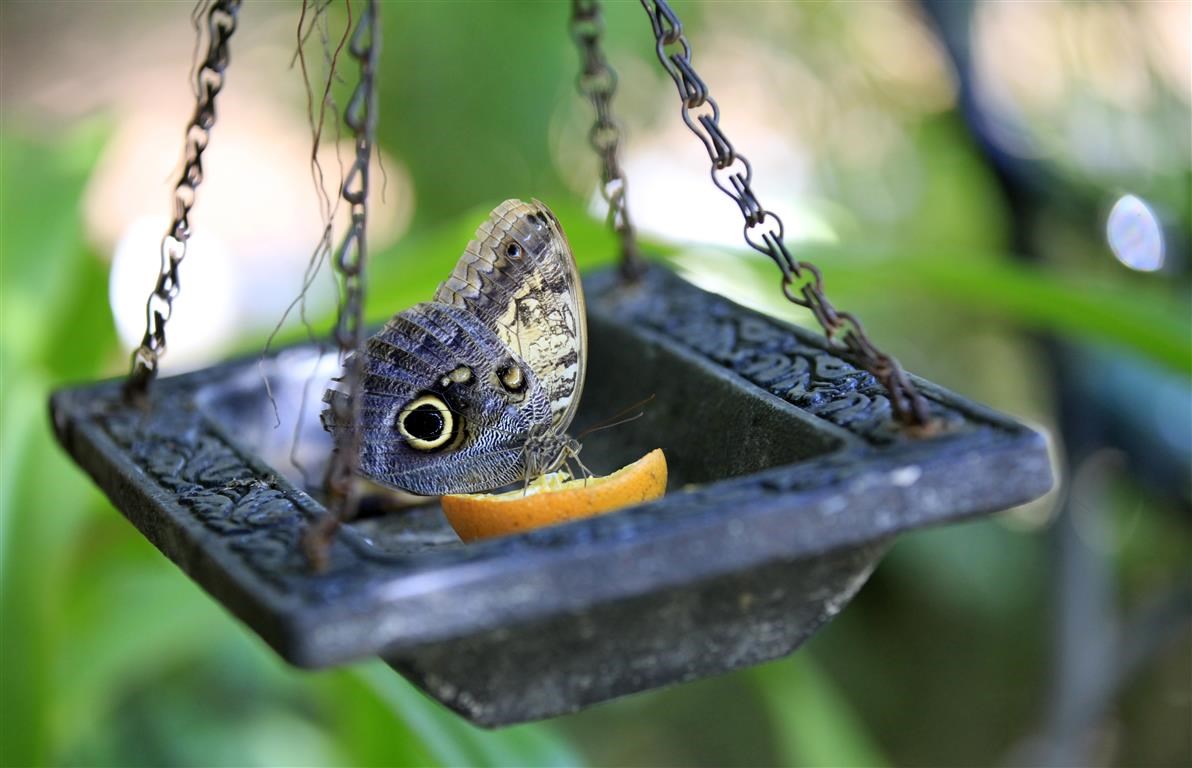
788, 477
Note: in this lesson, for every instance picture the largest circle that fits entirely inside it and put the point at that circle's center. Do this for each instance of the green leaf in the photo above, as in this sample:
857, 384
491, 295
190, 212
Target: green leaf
1145, 320
43, 499
812, 722
452, 741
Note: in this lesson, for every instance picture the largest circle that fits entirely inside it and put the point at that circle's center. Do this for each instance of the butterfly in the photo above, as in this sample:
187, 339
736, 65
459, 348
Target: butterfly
475, 389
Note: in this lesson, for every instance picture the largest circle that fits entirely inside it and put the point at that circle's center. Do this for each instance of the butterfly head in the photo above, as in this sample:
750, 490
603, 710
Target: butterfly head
546, 450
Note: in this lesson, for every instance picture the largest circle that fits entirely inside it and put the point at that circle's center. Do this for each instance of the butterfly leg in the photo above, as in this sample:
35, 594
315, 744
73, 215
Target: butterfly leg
573, 455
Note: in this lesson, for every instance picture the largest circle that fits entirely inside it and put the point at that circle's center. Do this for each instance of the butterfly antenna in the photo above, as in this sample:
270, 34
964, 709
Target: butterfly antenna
618, 418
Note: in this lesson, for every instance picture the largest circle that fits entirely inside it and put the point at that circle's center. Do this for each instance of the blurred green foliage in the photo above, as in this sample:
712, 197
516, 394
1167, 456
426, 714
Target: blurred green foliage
109, 656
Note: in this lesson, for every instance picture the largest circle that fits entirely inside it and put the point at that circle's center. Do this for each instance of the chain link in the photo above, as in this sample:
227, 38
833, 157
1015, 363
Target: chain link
802, 283
597, 81
208, 81
350, 258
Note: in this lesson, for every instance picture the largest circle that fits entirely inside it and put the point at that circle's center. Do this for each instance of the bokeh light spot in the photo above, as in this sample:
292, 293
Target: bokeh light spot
1135, 234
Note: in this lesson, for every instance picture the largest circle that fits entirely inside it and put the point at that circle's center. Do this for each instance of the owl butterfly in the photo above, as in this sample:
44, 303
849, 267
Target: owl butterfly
475, 389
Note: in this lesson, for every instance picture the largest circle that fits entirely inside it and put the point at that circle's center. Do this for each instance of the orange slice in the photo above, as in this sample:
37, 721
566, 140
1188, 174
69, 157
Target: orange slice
554, 498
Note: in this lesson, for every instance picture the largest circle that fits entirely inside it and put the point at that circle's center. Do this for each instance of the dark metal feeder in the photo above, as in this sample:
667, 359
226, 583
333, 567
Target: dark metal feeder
788, 480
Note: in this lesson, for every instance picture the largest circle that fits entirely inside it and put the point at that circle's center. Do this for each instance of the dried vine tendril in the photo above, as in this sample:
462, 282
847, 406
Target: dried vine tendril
360, 115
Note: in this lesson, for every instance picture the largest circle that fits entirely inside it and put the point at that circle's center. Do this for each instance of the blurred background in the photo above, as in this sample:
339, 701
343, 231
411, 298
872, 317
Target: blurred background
1000, 189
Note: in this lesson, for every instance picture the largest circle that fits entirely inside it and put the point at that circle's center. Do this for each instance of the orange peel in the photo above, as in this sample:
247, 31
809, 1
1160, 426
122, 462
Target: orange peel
554, 498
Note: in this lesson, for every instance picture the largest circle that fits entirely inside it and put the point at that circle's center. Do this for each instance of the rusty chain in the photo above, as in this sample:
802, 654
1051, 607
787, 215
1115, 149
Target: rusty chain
208, 81
350, 258
597, 81
802, 282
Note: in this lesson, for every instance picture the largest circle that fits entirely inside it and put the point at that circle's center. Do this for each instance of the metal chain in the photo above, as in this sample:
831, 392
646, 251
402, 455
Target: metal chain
598, 82
802, 283
350, 258
209, 80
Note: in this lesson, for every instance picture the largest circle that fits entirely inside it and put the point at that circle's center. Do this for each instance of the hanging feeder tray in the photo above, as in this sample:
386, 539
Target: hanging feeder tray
788, 480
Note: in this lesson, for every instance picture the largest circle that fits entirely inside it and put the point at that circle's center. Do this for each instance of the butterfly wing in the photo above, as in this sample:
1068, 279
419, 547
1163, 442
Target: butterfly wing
452, 389
519, 277
444, 406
